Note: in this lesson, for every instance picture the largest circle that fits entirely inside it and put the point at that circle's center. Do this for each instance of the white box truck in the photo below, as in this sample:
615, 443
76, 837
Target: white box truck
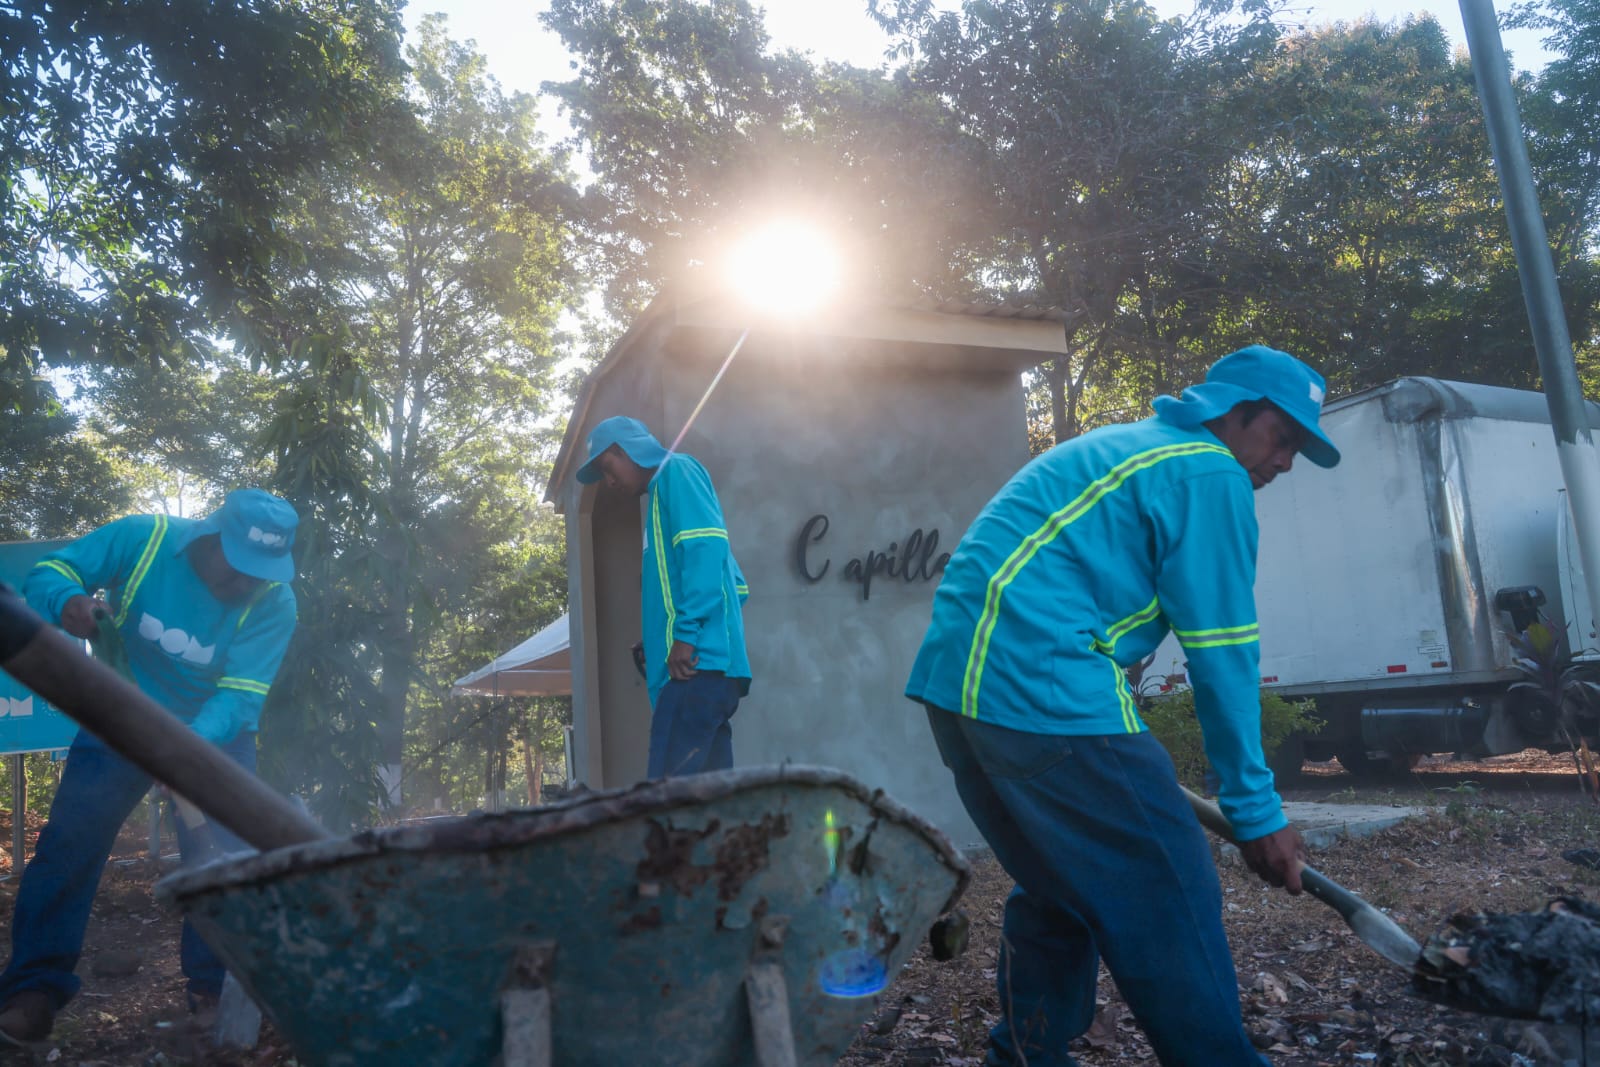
1386, 588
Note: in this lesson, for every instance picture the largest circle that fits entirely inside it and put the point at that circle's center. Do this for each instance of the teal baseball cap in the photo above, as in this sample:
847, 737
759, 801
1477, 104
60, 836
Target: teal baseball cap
257, 533
634, 438
1257, 373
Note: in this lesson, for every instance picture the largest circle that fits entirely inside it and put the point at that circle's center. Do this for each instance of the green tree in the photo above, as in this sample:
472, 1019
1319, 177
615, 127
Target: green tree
450, 739
179, 437
145, 150
53, 482
1563, 114
1105, 129
698, 131
1364, 219
669, 97
408, 432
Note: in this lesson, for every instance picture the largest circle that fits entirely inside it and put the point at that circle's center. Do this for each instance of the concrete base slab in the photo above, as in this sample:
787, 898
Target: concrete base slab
1323, 824
1320, 824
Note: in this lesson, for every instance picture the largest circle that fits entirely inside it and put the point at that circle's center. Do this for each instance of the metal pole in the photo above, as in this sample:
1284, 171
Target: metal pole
1575, 447
19, 814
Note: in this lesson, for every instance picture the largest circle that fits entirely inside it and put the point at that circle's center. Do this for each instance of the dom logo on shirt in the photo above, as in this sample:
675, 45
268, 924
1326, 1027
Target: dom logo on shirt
174, 642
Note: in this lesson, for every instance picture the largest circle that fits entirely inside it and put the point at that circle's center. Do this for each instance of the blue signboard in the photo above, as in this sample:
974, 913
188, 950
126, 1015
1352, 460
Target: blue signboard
27, 723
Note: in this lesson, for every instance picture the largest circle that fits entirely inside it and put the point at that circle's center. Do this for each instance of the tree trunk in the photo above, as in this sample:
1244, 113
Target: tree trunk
530, 771
392, 720
1059, 374
397, 652
1074, 392
497, 753
488, 777
1075, 385
500, 755
536, 744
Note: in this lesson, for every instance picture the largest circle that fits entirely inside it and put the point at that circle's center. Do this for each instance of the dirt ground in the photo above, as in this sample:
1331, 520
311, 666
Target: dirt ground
1313, 995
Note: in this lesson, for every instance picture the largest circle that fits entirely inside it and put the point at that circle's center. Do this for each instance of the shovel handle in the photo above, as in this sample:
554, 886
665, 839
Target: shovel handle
1209, 814
1379, 932
145, 733
1315, 882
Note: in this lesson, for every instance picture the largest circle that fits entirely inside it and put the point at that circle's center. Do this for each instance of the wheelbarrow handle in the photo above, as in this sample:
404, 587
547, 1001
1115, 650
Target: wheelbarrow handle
143, 732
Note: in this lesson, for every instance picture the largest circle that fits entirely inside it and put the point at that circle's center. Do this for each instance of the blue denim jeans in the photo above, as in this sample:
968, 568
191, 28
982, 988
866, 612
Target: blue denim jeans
689, 731
99, 790
1109, 863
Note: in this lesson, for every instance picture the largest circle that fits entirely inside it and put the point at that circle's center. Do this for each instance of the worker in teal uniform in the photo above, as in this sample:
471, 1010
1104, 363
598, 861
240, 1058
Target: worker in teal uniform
693, 593
1078, 568
205, 611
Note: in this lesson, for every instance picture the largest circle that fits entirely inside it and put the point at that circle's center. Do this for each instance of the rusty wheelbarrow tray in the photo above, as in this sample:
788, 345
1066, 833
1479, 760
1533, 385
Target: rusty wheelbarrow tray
741, 917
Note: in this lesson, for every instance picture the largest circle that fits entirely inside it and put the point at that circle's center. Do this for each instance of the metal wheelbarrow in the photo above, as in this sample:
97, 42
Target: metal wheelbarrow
741, 917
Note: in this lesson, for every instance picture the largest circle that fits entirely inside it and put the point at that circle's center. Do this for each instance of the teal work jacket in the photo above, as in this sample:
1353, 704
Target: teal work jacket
209, 663
1078, 568
693, 590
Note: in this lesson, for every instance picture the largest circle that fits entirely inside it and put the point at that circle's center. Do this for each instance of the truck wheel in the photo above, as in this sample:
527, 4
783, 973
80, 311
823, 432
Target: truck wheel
1360, 763
1355, 759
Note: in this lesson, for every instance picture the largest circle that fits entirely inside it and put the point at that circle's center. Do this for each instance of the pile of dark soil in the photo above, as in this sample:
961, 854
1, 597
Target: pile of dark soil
1523, 965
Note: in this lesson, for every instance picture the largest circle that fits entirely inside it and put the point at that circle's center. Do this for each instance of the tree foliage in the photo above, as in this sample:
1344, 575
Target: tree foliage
387, 371
697, 131
145, 150
461, 749
53, 481
1105, 131
1564, 115
408, 426
1179, 186
1364, 216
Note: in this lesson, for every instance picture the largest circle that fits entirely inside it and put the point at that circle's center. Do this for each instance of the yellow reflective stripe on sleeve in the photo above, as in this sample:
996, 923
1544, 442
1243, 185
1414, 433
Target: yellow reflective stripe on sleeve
709, 531
1130, 711
62, 569
1119, 629
1081, 505
244, 684
661, 565
260, 595
1232, 635
741, 588
140, 569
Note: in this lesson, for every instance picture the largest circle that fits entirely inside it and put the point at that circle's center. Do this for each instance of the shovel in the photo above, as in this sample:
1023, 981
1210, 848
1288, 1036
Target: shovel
1375, 929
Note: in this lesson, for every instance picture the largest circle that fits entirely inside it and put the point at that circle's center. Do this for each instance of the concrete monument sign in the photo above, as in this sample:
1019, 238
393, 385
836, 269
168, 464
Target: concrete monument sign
850, 451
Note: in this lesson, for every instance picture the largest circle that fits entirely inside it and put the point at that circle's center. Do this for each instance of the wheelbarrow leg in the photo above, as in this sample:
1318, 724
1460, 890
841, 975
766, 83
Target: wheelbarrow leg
768, 996
238, 1018
525, 1009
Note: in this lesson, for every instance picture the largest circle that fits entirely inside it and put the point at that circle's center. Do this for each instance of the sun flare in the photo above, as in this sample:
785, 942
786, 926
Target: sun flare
783, 268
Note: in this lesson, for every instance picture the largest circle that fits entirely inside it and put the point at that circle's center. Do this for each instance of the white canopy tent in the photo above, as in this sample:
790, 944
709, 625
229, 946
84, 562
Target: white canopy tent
539, 667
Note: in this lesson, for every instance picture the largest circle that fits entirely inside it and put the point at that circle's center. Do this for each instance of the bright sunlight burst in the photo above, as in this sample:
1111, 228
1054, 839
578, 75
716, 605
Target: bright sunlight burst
784, 268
